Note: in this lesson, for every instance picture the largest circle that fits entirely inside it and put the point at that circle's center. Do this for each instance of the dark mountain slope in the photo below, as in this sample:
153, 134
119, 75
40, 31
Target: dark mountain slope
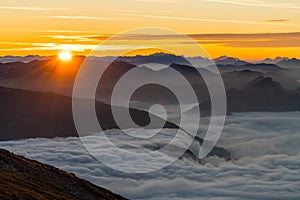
261, 94
238, 79
27, 114
260, 67
21, 178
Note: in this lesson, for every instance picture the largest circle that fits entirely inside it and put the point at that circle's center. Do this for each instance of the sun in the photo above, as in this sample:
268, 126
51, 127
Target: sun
65, 56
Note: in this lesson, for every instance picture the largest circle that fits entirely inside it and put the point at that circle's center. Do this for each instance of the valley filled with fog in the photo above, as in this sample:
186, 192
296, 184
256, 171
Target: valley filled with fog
265, 151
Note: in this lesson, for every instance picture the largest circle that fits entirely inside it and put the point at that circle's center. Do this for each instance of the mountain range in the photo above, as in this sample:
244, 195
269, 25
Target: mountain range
24, 59
55, 76
163, 58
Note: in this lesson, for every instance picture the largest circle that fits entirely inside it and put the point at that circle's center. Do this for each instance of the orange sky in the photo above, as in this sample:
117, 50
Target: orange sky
248, 29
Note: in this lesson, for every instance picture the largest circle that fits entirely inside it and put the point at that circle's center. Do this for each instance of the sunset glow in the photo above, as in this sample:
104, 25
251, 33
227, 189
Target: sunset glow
222, 27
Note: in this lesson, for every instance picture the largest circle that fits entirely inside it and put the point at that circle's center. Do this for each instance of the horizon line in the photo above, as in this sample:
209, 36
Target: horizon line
150, 54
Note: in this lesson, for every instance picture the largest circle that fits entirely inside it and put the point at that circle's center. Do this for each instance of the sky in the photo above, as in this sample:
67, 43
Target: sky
248, 29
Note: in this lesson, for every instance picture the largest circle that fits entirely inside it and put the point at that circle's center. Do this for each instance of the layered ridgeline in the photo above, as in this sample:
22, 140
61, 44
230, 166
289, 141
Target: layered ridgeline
50, 74
31, 114
21, 178
270, 85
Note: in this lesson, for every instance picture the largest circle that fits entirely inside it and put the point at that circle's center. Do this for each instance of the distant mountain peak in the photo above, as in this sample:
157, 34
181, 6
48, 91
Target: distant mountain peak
224, 57
160, 58
267, 60
182, 67
225, 60
263, 82
162, 54
275, 60
289, 63
281, 58
23, 59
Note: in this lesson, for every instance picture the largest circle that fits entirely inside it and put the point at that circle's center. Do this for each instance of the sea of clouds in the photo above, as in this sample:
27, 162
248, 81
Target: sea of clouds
266, 148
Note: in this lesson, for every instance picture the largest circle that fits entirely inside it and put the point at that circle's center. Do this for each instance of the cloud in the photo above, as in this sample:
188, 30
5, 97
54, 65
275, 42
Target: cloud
266, 145
71, 47
243, 40
208, 20
48, 31
252, 40
61, 31
89, 42
78, 38
159, 1
258, 3
87, 17
276, 20
28, 8
145, 11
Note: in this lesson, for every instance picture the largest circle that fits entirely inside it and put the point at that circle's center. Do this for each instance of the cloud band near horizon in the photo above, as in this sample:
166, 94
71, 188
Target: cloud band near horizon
232, 44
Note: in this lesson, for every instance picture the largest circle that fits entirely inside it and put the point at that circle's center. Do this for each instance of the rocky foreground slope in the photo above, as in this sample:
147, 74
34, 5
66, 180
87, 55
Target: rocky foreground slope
21, 178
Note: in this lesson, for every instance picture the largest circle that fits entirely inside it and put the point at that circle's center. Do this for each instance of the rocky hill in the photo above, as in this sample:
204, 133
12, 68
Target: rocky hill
21, 178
